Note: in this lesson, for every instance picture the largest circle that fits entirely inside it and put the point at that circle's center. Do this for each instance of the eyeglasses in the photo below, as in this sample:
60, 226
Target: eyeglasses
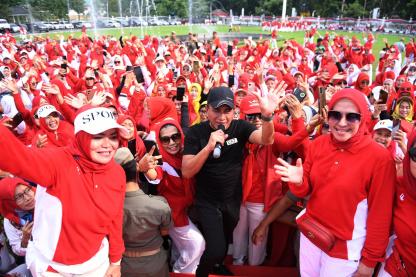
90, 79
350, 117
412, 153
166, 139
252, 117
20, 196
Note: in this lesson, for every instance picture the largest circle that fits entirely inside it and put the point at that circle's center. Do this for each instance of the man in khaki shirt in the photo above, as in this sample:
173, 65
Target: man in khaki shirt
146, 220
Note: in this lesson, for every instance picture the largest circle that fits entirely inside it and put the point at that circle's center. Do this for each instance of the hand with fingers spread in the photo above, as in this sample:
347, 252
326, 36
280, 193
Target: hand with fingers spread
269, 103
290, 173
98, 98
73, 101
10, 85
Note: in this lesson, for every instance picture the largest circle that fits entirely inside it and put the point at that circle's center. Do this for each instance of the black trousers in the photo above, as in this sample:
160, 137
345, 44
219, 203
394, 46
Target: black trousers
217, 222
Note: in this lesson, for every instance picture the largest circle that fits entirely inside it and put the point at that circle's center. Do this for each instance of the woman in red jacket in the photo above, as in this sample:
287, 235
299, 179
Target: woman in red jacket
79, 207
401, 259
189, 245
350, 181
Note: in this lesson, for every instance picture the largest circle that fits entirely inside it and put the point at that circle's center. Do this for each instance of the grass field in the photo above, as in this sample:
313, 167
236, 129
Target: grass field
206, 30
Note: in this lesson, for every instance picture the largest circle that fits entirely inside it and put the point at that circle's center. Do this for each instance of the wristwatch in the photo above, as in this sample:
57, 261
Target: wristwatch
267, 118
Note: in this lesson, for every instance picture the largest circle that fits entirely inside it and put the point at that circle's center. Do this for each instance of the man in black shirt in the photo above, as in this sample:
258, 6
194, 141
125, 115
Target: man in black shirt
218, 180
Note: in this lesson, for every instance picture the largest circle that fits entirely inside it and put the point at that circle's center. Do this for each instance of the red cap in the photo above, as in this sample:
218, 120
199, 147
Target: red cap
250, 105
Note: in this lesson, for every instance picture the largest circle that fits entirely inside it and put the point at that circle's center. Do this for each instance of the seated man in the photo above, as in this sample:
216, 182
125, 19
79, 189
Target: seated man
146, 221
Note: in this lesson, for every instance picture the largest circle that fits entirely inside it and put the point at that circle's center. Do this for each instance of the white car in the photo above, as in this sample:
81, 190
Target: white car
4, 25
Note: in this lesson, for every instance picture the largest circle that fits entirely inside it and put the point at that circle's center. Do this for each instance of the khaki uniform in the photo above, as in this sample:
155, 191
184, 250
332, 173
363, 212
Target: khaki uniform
144, 215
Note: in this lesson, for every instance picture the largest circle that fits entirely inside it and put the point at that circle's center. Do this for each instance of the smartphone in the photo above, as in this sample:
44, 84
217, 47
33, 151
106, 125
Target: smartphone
129, 68
230, 80
64, 66
26, 218
396, 126
382, 99
300, 94
139, 74
229, 50
195, 66
180, 92
17, 119
1, 76
149, 144
64, 58
321, 100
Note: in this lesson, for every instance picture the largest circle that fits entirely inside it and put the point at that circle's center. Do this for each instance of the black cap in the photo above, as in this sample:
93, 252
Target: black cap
219, 96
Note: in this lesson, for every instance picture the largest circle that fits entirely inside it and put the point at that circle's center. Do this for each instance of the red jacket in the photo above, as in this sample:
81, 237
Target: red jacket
351, 193
78, 206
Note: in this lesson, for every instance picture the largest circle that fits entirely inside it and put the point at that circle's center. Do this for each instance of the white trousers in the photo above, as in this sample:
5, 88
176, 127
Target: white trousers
98, 272
188, 247
251, 214
316, 263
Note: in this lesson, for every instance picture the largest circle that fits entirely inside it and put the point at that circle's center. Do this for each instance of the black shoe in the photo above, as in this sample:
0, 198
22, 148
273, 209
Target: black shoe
220, 269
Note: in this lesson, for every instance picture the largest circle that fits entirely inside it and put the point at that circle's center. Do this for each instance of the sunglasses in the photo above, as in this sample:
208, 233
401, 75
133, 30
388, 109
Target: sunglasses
166, 139
365, 82
89, 79
350, 117
252, 117
412, 153
338, 83
412, 69
117, 62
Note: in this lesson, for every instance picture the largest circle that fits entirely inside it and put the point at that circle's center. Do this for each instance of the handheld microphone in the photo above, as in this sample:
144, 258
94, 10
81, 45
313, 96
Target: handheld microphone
217, 150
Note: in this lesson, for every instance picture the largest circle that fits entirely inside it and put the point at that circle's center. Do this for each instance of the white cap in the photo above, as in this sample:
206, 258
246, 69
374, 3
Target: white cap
384, 124
46, 110
96, 120
160, 58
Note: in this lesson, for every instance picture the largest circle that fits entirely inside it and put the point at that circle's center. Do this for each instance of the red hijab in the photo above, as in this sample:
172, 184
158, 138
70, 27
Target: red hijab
363, 77
161, 108
173, 160
8, 204
63, 136
140, 148
362, 137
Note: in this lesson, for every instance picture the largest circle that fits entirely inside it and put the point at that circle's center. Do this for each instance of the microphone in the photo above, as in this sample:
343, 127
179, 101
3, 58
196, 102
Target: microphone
217, 150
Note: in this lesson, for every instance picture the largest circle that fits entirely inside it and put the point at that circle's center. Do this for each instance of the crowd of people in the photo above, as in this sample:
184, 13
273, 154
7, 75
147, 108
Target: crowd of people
139, 156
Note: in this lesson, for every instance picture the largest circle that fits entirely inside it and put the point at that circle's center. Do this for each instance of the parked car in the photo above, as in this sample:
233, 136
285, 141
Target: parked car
14, 28
80, 24
67, 25
123, 22
4, 25
136, 21
40, 27
103, 23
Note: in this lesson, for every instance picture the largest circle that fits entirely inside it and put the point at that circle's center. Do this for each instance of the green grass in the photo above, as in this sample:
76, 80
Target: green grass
206, 30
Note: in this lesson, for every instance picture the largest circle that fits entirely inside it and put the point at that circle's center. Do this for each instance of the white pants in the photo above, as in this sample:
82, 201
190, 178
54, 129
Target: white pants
316, 263
98, 272
251, 214
382, 272
188, 247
